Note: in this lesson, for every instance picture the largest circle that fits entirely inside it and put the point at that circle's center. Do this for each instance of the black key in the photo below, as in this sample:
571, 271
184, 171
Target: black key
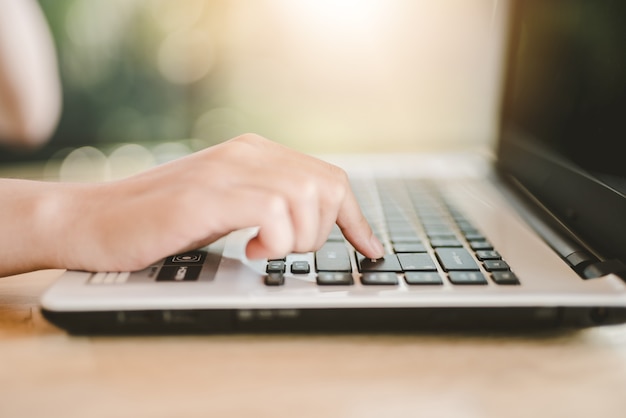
300, 267
466, 226
474, 236
274, 279
443, 234
403, 235
445, 242
431, 222
422, 277
439, 231
333, 256
488, 255
379, 278
480, 245
456, 259
416, 262
388, 263
504, 277
491, 265
457, 215
325, 278
467, 277
409, 247
399, 226
275, 266
436, 225
396, 216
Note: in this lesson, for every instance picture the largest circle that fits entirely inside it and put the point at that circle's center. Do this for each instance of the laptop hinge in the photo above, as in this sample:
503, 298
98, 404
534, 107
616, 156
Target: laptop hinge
579, 260
586, 264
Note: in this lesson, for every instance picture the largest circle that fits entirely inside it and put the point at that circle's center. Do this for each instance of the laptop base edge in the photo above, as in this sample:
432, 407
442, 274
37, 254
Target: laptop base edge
222, 321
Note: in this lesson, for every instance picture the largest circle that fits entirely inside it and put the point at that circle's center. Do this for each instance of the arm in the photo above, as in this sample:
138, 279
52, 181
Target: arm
30, 92
125, 225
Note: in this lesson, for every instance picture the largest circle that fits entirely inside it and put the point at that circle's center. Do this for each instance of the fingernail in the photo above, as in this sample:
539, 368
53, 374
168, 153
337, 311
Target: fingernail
377, 247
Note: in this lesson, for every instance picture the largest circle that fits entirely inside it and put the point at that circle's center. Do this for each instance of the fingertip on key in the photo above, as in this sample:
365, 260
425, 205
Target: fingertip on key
378, 251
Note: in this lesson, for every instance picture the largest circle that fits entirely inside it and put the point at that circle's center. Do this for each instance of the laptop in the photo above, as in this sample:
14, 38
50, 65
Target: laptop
529, 234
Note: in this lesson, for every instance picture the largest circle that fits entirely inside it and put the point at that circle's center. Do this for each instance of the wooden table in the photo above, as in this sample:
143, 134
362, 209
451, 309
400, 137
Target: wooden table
46, 373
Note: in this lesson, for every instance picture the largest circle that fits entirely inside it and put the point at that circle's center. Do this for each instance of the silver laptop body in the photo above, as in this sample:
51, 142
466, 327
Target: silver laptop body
528, 234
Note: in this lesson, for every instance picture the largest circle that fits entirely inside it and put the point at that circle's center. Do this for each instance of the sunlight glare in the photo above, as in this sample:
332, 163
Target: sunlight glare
346, 15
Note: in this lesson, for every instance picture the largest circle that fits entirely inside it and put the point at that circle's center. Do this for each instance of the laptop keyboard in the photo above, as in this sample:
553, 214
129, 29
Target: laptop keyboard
428, 242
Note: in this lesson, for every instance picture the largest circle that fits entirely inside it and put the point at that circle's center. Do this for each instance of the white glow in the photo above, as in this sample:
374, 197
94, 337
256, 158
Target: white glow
344, 14
344, 74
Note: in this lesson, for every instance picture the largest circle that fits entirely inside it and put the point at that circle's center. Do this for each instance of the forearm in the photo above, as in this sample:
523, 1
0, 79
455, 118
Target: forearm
90, 226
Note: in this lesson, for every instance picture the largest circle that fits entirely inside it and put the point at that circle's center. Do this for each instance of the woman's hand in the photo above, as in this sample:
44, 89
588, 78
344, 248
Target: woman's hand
293, 199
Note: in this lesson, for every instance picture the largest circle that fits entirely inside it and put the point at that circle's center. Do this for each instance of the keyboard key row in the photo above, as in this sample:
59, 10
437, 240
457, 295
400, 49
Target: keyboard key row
410, 277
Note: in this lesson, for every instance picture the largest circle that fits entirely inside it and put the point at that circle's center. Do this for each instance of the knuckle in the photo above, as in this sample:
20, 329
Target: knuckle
276, 206
307, 189
249, 148
340, 174
338, 191
339, 183
250, 139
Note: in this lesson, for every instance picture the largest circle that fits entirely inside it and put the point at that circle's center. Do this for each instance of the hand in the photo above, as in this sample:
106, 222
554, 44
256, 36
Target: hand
293, 199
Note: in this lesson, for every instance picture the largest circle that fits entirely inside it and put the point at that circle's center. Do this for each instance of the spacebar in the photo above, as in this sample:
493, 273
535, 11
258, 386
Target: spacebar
333, 256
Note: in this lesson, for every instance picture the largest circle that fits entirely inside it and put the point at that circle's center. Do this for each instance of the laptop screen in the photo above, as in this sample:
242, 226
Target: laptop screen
563, 123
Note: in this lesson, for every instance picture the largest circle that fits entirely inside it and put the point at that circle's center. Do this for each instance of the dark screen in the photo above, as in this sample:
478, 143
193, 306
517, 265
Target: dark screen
563, 126
569, 80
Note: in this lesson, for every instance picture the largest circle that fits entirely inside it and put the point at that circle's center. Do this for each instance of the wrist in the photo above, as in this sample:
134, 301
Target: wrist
35, 225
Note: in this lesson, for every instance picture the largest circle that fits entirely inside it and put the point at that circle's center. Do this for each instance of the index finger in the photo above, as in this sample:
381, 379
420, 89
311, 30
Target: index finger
356, 229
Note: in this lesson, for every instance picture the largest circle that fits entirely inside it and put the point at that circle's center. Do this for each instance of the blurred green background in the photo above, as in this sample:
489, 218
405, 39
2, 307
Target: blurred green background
320, 76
